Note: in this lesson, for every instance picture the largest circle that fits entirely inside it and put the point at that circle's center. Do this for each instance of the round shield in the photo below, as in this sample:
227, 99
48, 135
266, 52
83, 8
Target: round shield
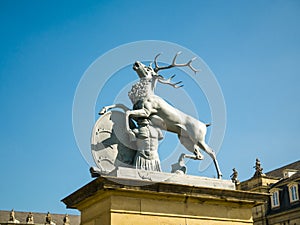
110, 143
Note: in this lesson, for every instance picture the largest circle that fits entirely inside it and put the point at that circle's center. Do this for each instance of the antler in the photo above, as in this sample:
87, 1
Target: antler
168, 81
189, 63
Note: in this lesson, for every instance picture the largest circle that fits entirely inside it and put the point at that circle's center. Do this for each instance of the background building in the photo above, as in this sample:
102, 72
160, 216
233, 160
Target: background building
283, 207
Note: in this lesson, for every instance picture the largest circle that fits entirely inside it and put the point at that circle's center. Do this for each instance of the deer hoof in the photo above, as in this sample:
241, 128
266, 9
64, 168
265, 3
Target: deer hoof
198, 155
104, 110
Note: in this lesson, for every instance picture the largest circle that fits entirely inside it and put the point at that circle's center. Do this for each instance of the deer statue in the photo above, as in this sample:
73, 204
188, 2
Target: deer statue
191, 132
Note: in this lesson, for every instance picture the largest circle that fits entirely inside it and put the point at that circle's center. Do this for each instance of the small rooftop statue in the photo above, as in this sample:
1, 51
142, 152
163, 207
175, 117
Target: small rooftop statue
258, 169
49, 219
12, 218
234, 176
29, 218
66, 220
152, 114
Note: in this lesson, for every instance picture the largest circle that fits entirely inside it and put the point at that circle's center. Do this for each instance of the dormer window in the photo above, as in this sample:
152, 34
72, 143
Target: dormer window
288, 173
293, 192
275, 198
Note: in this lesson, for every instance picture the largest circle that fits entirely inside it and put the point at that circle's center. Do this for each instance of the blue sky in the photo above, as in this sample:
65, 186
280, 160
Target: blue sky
251, 46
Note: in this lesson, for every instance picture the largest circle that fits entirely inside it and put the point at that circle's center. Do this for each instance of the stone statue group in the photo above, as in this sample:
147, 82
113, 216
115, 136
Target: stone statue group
152, 114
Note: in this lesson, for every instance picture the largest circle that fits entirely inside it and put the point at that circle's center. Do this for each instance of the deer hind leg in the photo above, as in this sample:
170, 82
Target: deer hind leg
190, 146
212, 154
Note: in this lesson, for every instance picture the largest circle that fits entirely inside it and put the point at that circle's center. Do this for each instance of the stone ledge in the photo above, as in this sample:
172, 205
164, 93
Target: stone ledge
174, 178
104, 186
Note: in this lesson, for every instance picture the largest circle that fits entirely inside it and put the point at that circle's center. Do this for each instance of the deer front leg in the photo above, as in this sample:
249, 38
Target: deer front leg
106, 108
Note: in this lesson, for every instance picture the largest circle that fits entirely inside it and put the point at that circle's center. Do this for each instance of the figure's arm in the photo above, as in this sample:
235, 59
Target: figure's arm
133, 134
106, 108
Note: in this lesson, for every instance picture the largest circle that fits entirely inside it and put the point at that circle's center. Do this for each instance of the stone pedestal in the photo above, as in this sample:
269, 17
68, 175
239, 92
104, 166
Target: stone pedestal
118, 201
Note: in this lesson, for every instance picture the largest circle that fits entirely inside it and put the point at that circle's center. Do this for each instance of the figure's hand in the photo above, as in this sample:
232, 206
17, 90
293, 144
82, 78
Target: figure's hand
103, 110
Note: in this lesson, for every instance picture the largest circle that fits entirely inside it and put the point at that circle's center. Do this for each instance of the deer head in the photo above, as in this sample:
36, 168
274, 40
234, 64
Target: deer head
144, 71
148, 72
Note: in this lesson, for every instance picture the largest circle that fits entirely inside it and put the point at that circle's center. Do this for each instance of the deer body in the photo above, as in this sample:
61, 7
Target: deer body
173, 120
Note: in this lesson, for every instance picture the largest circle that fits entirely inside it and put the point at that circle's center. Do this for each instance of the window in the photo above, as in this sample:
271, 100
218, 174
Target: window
293, 192
275, 198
